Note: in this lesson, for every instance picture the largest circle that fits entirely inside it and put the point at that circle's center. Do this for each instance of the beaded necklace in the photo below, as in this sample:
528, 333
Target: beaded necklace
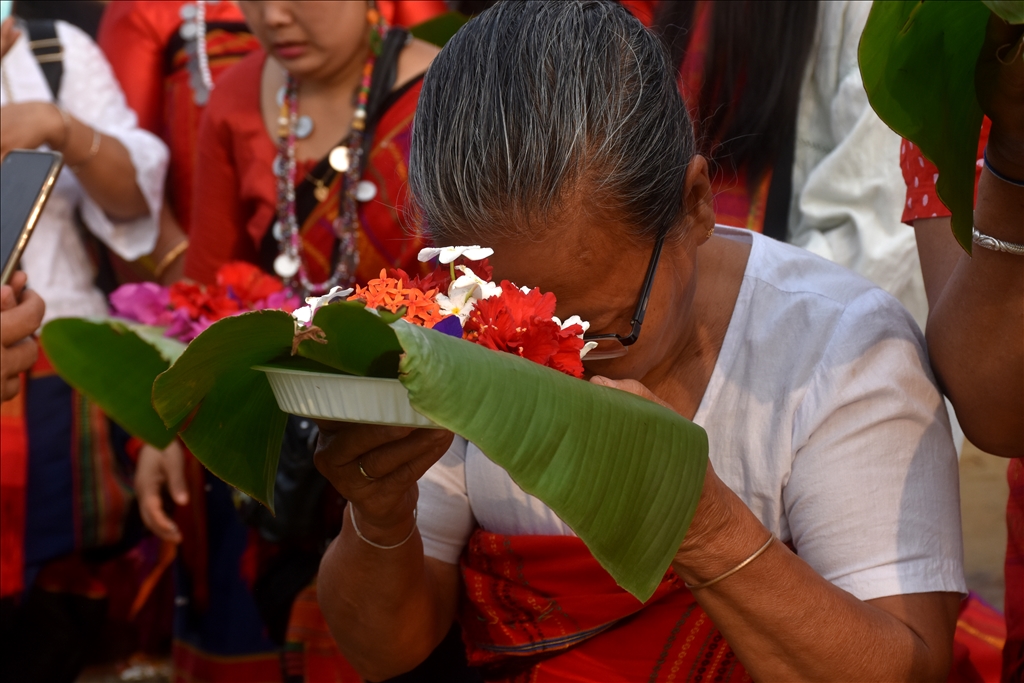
193, 32
346, 159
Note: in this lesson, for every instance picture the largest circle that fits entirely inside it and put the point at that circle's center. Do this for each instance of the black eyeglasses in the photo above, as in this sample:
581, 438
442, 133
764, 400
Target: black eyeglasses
616, 345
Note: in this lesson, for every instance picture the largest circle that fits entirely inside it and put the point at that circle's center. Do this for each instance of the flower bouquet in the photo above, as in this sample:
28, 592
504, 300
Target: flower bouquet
452, 349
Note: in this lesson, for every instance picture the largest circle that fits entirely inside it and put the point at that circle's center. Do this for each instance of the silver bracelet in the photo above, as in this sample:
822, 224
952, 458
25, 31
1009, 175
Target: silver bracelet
988, 242
352, 514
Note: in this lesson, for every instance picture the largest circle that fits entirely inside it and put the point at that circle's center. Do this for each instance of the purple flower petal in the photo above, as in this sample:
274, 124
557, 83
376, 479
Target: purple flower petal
450, 326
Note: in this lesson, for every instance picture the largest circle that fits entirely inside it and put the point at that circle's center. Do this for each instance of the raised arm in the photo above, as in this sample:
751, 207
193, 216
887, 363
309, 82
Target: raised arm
975, 326
389, 607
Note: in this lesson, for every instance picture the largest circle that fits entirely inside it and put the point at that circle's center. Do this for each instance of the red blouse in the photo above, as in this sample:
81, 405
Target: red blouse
236, 190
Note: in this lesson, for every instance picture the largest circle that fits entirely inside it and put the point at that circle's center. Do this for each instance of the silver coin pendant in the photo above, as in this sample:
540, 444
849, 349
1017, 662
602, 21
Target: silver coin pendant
339, 159
365, 191
303, 127
286, 265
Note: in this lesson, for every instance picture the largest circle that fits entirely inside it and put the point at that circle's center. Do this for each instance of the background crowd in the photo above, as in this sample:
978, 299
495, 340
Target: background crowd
195, 135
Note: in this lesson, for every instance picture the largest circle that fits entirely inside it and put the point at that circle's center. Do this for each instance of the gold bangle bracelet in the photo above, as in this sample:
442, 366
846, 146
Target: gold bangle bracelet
169, 258
757, 553
93, 150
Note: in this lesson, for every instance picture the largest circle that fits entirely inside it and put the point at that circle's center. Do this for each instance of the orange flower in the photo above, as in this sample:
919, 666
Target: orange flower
390, 294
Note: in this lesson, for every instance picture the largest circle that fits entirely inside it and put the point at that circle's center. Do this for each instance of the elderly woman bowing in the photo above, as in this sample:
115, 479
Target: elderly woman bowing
826, 544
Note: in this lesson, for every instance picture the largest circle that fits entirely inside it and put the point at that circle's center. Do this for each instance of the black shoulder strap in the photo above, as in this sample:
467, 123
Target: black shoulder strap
48, 51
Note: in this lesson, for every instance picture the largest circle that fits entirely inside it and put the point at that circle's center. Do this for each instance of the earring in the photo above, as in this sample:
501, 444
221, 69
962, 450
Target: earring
711, 232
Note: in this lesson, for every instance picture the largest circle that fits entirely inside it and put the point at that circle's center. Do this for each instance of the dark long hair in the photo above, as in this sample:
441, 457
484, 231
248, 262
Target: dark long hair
754, 66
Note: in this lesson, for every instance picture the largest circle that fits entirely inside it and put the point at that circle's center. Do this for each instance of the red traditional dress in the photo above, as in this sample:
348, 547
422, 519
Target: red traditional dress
980, 631
235, 207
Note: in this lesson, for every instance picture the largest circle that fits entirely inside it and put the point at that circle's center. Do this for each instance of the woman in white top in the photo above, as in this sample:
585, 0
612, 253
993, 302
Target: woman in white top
114, 171
555, 134
76, 494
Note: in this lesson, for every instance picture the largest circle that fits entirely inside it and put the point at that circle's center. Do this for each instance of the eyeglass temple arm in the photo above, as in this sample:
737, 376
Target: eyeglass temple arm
645, 294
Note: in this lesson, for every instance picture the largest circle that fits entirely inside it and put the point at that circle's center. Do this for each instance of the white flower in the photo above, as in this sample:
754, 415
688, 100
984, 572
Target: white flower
470, 282
305, 314
460, 306
576, 320
448, 254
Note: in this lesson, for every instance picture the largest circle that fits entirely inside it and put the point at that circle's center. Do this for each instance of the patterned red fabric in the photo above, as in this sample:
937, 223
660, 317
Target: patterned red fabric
540, 609
310, 653
978, 643
13, 479
192, 666
1013, 652
236, 191
921, 175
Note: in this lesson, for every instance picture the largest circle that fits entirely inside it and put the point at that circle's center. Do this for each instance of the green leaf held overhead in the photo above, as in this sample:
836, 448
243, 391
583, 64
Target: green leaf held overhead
623, 472
114, 363
917, 60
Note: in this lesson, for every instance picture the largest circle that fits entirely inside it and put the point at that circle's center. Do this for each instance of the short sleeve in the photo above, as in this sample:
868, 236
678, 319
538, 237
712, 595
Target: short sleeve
445, 517
921, 175
872, 499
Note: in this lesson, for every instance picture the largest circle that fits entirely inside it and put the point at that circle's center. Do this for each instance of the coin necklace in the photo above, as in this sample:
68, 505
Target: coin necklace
345, 159
193, 33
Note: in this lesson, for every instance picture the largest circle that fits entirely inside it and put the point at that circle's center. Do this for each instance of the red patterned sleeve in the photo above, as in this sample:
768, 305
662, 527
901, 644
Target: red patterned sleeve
921, 175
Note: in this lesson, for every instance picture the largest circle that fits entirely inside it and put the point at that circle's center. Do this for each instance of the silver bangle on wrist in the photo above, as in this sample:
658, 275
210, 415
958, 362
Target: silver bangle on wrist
988, 242
355, 527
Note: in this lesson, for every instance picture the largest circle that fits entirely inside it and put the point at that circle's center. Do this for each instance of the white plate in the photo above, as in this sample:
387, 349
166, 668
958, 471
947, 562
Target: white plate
347, 398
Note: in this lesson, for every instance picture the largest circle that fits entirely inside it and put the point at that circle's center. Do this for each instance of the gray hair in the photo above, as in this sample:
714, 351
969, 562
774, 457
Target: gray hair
533, 105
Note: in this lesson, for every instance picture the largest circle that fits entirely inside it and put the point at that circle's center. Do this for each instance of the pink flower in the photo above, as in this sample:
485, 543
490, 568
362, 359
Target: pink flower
143, 302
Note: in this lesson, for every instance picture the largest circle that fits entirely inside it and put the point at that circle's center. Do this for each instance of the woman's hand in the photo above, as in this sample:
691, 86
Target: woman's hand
999, 84
21, 311
29, 125
376, 469
155, 470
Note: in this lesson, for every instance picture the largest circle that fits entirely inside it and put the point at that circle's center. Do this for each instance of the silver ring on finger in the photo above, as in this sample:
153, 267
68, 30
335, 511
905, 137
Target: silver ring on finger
363, 472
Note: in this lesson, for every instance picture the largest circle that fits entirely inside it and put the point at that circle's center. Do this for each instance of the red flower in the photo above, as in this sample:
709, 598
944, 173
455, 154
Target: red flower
213, 303
248, 283
521, 323
440, 279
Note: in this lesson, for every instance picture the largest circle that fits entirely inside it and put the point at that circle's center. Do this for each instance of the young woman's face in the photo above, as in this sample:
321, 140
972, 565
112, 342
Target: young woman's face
312, 39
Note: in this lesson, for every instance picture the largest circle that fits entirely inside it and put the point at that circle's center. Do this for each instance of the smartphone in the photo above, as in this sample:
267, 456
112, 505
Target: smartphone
26, 179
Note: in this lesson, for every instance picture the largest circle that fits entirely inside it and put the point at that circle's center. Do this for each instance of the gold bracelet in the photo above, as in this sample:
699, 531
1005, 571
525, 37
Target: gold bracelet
66, 118
757, 553
170, 257
93, 150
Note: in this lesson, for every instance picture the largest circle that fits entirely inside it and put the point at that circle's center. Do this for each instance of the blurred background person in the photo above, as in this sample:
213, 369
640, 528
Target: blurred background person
57, 91
250, 593
779, 108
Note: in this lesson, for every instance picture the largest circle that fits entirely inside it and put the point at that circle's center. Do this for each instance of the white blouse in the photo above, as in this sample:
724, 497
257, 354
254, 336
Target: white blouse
55, 259
822, 415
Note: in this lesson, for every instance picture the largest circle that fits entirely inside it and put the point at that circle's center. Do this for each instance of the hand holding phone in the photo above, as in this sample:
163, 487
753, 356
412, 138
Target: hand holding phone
21, 313
26, 180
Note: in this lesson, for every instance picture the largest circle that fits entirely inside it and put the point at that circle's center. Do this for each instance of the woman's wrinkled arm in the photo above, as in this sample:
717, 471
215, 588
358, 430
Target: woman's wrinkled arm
387, 609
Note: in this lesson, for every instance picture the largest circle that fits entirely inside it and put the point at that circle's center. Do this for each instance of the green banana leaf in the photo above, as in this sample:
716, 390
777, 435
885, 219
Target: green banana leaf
917, 60
114, 363
624, 473
226, 412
